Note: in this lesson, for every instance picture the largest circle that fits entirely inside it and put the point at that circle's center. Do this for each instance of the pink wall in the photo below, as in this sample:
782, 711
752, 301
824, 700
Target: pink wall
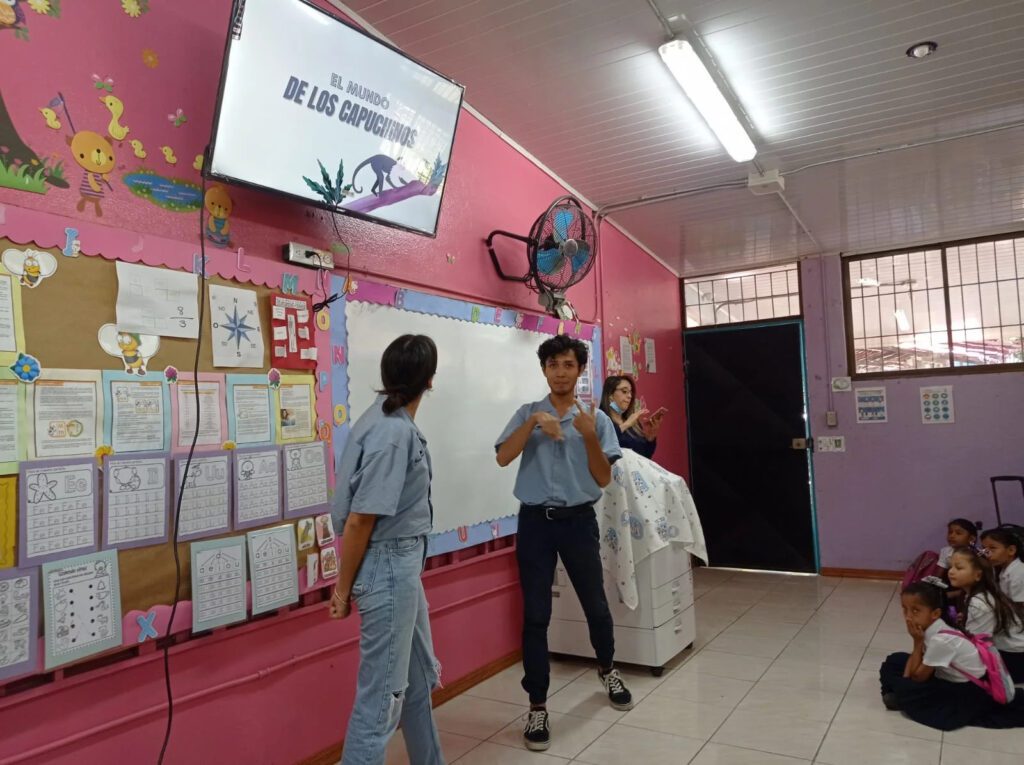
889, 496
285, 682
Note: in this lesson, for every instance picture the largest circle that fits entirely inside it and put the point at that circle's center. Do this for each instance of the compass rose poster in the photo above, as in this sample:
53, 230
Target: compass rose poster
235, 321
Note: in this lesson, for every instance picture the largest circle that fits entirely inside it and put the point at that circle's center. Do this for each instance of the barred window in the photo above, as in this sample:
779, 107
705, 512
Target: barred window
742, 296
941, 307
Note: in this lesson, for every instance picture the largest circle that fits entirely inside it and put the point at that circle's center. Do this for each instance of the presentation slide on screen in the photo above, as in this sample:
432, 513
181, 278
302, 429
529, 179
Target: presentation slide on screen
315, 109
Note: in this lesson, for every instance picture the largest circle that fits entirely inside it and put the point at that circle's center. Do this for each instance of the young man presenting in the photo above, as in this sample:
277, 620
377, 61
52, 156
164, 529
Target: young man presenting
567, 451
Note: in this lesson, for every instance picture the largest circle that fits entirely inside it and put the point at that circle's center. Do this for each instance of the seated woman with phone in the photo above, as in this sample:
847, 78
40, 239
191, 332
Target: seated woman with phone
636, 428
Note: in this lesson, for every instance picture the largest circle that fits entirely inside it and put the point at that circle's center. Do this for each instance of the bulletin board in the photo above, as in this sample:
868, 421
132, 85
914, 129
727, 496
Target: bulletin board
61, 318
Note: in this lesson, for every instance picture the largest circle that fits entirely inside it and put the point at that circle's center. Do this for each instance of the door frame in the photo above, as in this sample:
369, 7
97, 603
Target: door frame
811, 487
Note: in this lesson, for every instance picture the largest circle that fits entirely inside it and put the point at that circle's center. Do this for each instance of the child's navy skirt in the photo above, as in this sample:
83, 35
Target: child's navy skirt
945, 705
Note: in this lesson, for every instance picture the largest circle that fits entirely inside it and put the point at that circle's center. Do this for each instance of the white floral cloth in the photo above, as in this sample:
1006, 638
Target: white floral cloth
644, 509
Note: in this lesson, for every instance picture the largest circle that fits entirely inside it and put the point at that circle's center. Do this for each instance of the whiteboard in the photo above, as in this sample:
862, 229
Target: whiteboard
484, 373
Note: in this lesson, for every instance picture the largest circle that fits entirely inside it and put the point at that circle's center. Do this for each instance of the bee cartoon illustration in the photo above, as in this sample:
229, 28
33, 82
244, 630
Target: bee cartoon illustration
133, 349
218, 205
30, 266
94, 154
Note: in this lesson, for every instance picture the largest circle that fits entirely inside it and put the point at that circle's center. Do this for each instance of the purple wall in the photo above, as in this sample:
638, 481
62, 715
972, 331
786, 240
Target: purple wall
889, 496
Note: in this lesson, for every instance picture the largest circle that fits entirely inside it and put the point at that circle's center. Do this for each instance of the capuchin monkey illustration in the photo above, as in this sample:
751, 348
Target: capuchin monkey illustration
383, 166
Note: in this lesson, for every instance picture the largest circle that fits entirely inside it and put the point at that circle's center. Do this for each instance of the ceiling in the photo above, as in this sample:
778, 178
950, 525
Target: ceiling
579, 84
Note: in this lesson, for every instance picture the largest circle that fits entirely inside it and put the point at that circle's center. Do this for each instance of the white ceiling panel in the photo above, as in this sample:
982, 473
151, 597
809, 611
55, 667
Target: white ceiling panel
580, 85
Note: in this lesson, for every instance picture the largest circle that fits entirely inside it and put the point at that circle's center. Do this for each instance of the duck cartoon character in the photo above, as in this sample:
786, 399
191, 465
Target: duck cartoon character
134, 349
169, 157
219, 206
137, 148
49, 115
115, 106
95, 156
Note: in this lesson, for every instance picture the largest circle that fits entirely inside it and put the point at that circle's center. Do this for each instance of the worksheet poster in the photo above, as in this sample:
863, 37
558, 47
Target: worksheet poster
251, 410
138, 416
157, 301
296, 408
11, 398
218, 583
82, 607
19, 627
12, 335
212, 419
66, 413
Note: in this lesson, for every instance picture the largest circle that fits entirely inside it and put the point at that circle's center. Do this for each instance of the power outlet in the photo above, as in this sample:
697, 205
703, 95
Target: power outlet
831, 444
309, 257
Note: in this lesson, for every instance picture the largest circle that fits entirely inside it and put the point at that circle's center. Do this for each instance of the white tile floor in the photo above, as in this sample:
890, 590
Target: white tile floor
784, 671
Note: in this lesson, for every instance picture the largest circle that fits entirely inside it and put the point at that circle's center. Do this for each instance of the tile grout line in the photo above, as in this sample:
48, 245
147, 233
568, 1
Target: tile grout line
849, 684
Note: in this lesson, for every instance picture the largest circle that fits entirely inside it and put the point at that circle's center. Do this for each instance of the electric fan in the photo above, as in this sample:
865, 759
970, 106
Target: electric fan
560, 249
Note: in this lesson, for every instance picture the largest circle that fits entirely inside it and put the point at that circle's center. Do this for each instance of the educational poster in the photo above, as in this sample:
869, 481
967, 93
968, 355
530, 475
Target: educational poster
305, 484
206, 502
19, 622
293, 340
257, 486
252, 410
12, 327
58, 509
211, 414
650, 355
135, 500
296, 409
312, 570
871, 405
235, 322
274, 565
937, 405
218, 583
8, 520
65, 414
137, 413
11, 397
8, 336
626, 355
157, 301
81, 606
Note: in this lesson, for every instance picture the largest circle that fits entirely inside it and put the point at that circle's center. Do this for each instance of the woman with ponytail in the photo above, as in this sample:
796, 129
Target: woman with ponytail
382, 501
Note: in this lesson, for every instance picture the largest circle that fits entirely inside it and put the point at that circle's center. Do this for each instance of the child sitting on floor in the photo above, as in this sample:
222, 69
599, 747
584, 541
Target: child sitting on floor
987, 610
930, 685
960, 532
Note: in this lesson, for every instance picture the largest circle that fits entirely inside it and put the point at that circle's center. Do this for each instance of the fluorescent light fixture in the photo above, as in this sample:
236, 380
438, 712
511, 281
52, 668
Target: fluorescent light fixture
695, 80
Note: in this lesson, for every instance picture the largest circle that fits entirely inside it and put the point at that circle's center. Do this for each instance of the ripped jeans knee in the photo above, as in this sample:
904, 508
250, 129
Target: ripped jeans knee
391, 710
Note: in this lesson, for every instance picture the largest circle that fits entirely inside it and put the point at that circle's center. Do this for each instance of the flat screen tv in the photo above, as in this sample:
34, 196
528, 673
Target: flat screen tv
318, 110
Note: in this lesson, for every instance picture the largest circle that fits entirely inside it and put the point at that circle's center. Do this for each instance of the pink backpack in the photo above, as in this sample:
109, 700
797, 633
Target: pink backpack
926, 564
997, 682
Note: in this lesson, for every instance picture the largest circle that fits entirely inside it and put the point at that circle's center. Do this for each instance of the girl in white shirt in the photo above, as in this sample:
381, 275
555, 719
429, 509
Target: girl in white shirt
960, 532
1004, 552
986, 610
929, 684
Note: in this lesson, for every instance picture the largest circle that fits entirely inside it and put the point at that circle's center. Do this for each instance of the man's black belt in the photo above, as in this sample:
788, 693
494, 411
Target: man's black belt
558, 512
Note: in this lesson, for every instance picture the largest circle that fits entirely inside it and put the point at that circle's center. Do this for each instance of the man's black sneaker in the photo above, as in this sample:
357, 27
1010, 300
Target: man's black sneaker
618, 694
538, 733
